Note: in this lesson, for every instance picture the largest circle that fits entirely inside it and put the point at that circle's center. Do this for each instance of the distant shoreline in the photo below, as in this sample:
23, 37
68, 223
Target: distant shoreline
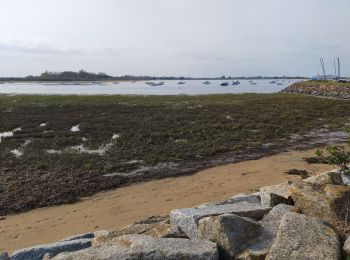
136, 80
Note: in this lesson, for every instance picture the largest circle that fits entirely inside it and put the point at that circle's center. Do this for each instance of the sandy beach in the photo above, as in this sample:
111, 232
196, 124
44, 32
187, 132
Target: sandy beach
115, 209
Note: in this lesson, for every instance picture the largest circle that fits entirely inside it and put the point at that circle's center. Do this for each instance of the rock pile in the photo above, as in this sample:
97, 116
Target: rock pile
321, 88
306, 219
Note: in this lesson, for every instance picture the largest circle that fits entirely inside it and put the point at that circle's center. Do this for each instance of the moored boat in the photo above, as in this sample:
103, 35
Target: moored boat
224, 84
206, 82
235, 83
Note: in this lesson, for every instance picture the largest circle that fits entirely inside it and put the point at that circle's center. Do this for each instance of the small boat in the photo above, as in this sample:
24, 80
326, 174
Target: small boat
273, 82
253, 83
224, 84
158, 84
235, 83
181, 83
206, 82
150, 83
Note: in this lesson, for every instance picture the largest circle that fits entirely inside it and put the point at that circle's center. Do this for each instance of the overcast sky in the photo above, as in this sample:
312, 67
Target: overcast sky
174, 37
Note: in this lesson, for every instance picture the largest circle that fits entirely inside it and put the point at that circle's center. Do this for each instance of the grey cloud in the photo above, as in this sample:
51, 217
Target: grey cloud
50, 47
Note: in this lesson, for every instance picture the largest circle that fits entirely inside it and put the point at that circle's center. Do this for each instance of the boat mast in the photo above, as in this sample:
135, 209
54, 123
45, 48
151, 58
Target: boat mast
323, 68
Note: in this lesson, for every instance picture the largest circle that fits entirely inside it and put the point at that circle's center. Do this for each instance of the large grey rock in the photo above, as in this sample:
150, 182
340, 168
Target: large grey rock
346, 246
331, 177
230, 232
259, 248
275, 194
154, 229
4, 256
37, 252
325, 201
272, 220
303, 237
345, 179
89, 235
251, 198
147, 248
187, 219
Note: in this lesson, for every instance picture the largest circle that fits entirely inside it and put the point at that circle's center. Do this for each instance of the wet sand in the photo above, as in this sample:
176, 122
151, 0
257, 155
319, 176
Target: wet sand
115, 209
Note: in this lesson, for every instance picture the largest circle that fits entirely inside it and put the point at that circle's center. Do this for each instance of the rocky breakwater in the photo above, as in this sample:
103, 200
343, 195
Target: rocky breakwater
307, 219
321, 88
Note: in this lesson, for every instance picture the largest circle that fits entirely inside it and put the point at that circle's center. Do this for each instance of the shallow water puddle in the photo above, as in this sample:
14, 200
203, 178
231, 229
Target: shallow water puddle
9, 134
75, 128
229, 117
115, 136
82, 149
20, 151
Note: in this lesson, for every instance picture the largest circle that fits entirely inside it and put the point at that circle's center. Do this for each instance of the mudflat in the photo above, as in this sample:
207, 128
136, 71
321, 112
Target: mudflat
123, 206
59, 149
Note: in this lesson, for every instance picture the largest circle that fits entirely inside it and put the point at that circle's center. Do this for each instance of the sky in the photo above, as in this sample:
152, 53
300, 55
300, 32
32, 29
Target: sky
174, 37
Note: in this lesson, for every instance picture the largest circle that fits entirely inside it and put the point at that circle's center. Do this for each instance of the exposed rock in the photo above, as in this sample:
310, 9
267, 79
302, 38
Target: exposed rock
187, 219
258, 249
345, 178
230, 232
155, 229
302, 237
328, 202
4, 256
280, 189
165, 230
320, 88
153, 220
147, 248
80, 236
251, 198
272, 220
332, 177
346, 246
37, 252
